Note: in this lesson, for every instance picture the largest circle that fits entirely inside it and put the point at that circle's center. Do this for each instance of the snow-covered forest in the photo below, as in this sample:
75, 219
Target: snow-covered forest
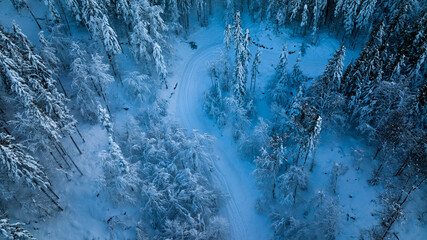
213, 119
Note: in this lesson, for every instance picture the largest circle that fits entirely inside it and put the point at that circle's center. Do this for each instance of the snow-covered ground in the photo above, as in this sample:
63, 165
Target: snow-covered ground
232, 174
87, 211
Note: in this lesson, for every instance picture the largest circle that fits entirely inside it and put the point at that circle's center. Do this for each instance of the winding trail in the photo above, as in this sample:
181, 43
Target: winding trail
231, 174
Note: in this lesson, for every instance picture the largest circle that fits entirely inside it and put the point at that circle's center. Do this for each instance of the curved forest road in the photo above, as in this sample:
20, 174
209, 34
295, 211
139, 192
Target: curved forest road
231, 175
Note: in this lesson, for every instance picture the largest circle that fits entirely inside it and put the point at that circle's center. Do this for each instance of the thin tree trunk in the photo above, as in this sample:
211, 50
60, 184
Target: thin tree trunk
312, 160
7, 131
31, 12
69, 157
402, 167
75, 144
52, 200
295, 193
78, 131
50, 189
63, 89
62, 156
56, 160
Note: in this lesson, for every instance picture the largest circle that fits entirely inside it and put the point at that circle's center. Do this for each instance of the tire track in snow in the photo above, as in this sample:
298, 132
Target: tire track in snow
186, 109
231, 174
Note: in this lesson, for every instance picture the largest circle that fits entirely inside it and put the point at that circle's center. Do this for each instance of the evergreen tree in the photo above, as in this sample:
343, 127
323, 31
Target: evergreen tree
289, 182
228, 37
48, 53
325, 216
304, 18
328, 85
13, 231
269, 164
255, 67
366, 11
280, 88
120, 177
160, 64
20, 166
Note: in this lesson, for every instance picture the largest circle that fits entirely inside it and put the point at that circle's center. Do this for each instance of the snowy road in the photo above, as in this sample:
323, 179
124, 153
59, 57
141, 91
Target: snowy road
232, 175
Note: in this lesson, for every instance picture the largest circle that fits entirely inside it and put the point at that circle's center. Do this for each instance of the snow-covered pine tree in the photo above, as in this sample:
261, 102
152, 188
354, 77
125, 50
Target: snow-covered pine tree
239, 86
238, 113
228, 35
326, 215
297, 77
13, 231
184, 7
289, 182
53, 12
238, 36
139, 38
255, 69
141, 87
230, 10
214, 104
304, 19
269, 164
35, 89
281, 71
23, 168
350, 9
294, 6
316, 18
96, 20
20, 166
246, 54
48, 53
75, 8
109, 38
172, 15
365, 13
239, 89
312, 140
160, 64
123, 10
228, 38
120, 177
148, 37
328, 85
281, 85
278, 11
39, 78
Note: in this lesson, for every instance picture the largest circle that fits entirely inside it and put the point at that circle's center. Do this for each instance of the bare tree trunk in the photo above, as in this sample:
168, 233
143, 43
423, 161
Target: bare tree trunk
103, 96
63, 89
69, 157
32, 14
52, 200
402, 167
62, 156
75, 144
78, 131
50, 189
56, 160
295, 193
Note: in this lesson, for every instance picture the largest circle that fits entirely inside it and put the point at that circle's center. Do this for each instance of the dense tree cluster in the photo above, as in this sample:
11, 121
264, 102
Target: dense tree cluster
165, 171
380, 95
